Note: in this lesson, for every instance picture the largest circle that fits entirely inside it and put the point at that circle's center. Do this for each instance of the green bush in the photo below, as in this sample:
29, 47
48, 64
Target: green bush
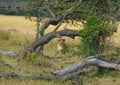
94, 34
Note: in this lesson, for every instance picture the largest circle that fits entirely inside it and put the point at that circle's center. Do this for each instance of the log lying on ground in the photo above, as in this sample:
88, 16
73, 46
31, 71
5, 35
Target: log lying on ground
38, 76
85, 62
9, 53
60, 74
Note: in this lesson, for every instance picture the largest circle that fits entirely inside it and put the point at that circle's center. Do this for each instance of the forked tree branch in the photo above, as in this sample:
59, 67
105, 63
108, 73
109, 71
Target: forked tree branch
58, 20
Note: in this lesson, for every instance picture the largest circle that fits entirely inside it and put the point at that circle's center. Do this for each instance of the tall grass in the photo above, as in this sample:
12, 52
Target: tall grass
4, 35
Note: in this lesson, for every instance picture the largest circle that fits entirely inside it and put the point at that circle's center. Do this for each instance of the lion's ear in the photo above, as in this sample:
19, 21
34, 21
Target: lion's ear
63, 40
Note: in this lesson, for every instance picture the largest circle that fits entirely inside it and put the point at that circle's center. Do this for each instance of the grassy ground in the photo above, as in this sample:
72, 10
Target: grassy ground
24, 34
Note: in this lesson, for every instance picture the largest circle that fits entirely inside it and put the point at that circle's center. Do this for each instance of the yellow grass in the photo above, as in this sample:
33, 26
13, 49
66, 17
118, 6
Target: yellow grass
116, 37
17, 22
24, 25
25, 32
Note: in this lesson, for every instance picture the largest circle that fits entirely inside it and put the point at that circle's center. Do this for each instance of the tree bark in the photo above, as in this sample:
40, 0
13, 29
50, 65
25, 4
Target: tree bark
55, 21
74, 70
46, 38
85, 62
10, 53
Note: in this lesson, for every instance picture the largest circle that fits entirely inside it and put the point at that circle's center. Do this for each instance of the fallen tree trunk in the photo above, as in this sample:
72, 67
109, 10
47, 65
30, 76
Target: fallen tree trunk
38, 76
75, 69
85, 62
9, 53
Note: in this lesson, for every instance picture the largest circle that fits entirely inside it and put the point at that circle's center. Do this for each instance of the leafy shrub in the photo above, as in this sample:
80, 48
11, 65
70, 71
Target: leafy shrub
95, 32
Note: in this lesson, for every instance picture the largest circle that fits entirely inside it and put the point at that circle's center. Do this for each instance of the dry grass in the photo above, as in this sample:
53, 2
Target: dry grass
26, 26
18, 23
116, 37
25, 31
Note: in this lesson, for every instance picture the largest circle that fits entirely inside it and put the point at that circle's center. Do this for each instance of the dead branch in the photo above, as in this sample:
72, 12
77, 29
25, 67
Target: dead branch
10, 53
46, 38
73, 75
75, 70
43, 40
38, 76
85, 62
50, 21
